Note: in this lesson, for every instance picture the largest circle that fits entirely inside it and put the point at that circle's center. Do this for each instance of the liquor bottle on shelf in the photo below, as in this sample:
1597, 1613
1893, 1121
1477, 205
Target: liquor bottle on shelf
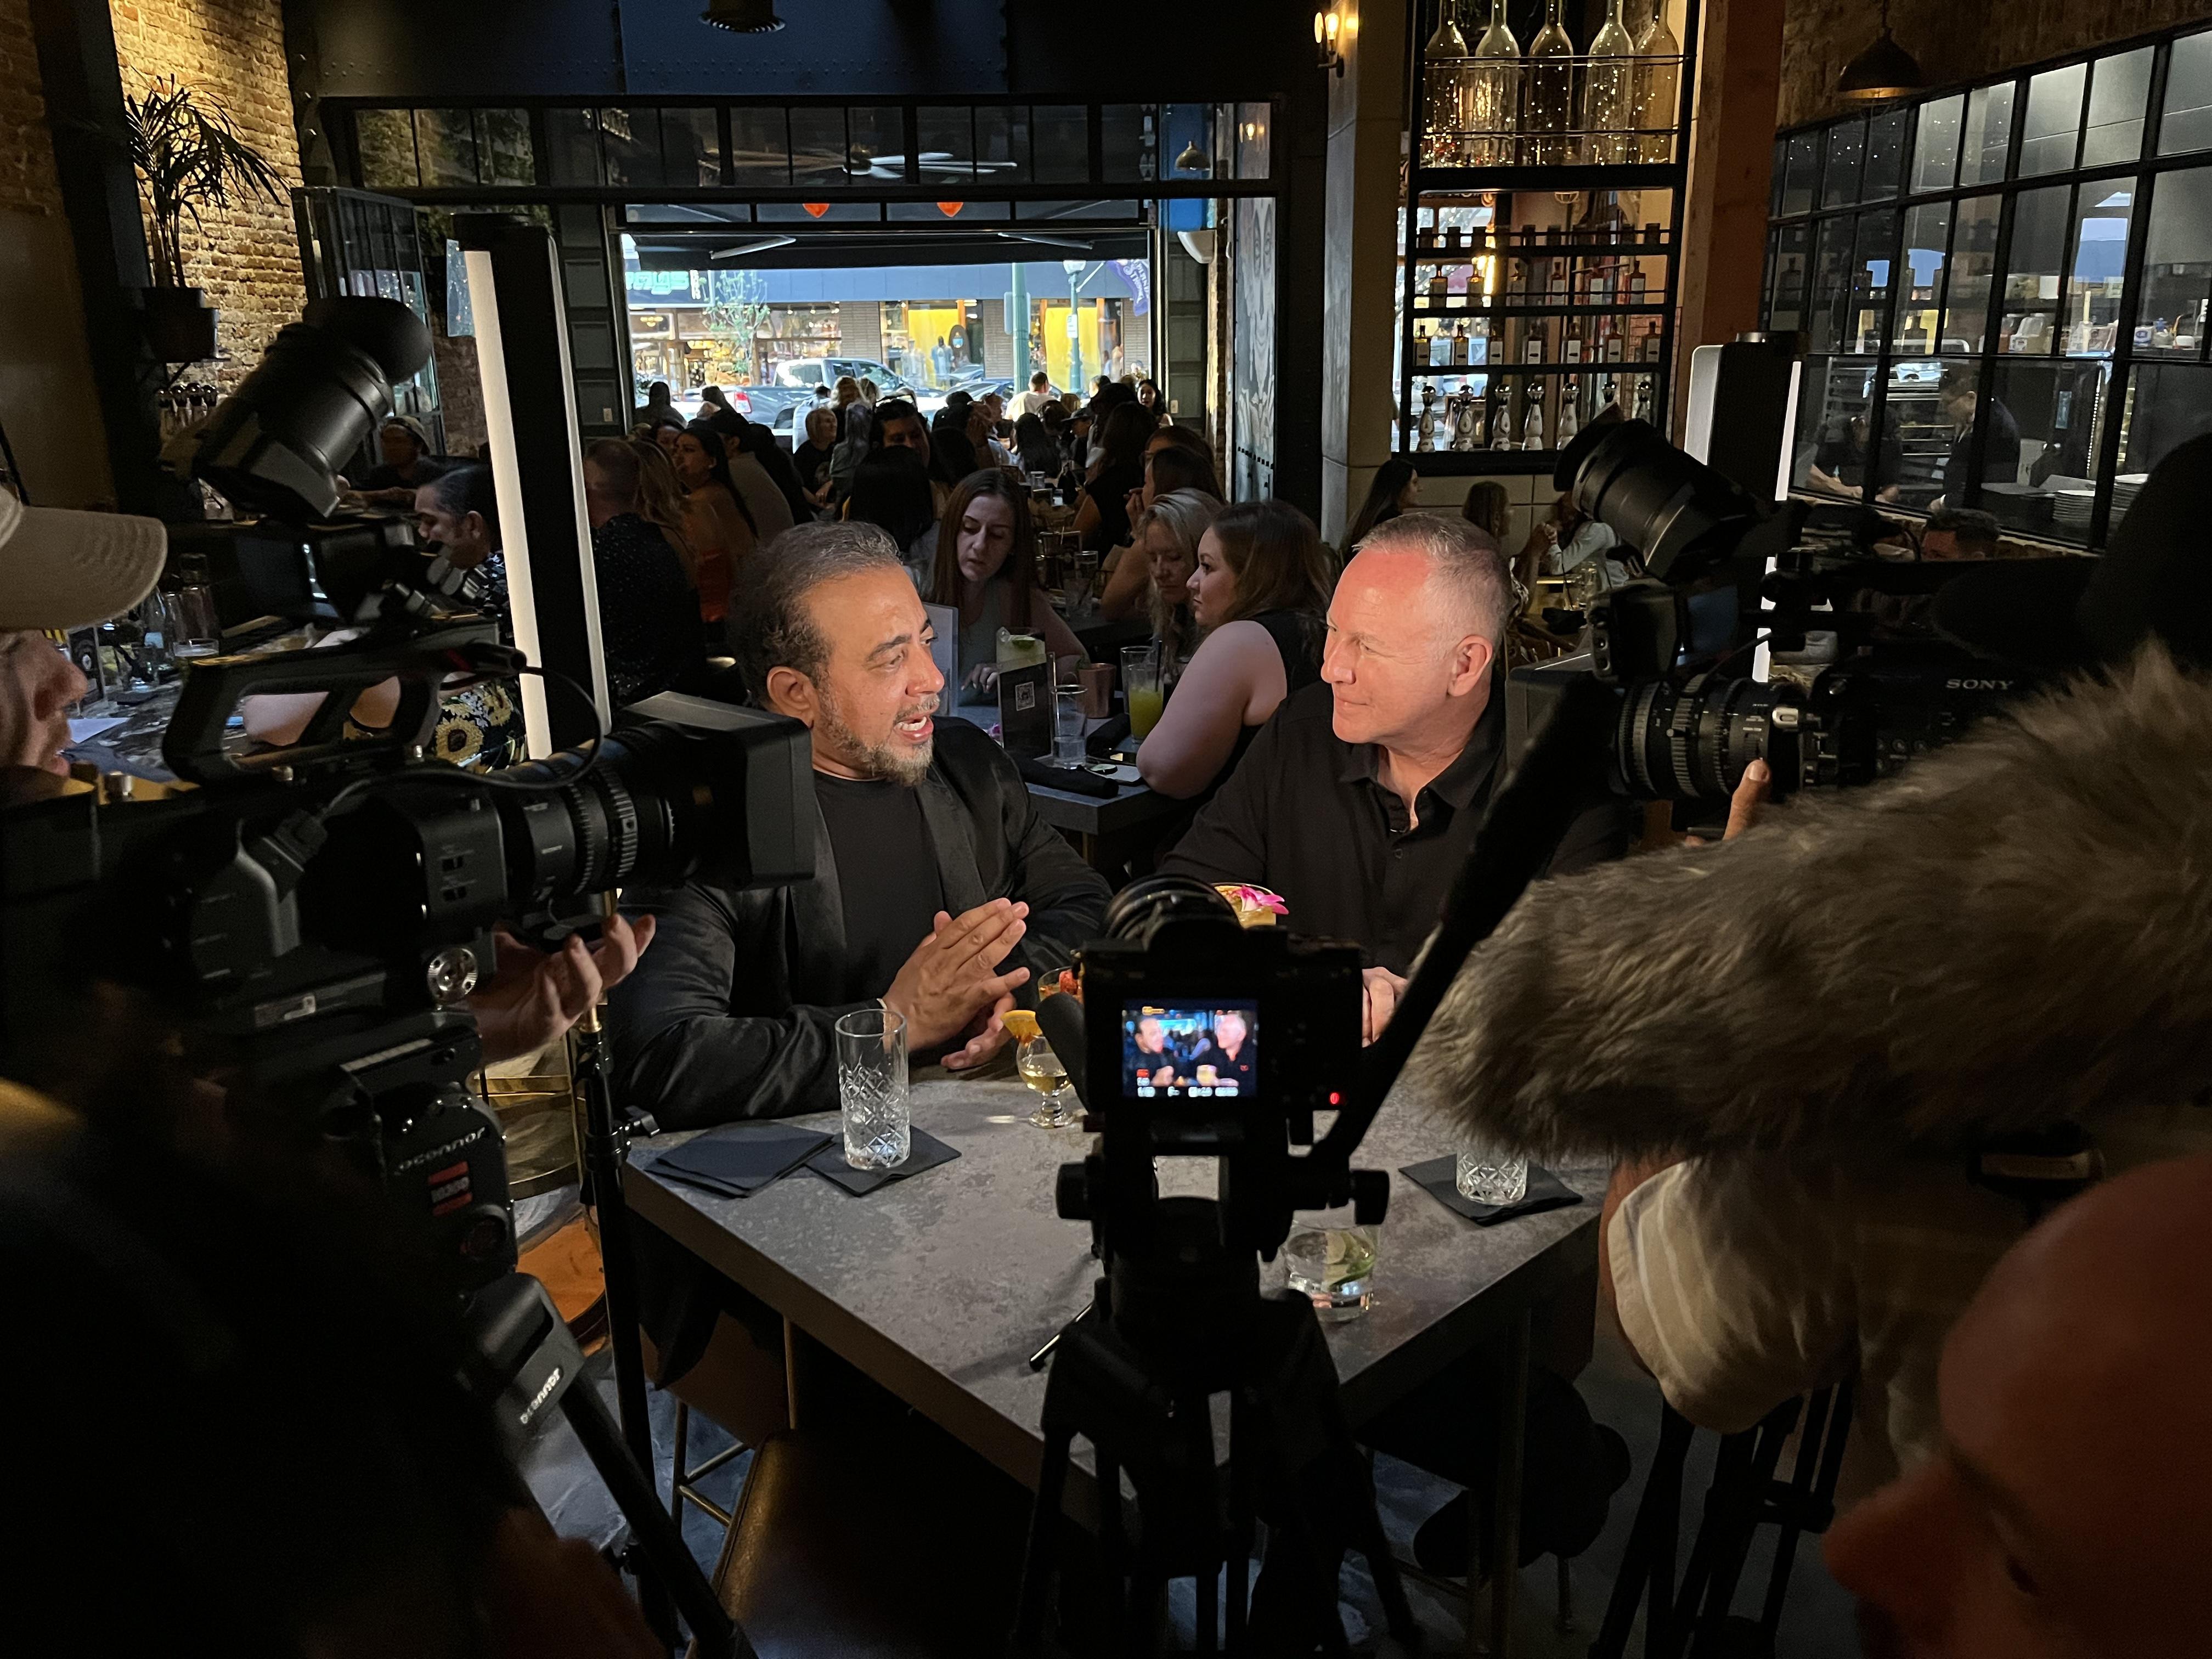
1439, 285
1643, 398
1459, 346
1444, 86
1658, 79
1551, 82
1608, 111
1479, 341
1571, 393
1531, 428
1556, 290
1532, 351
1493, 114
1428, 418
1452, 239
1637, 286
1501, 418
1466, 420
1517, 286
1570, 350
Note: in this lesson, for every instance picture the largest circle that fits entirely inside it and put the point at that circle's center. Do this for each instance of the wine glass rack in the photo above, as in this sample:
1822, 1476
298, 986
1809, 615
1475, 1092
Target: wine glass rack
1541, 235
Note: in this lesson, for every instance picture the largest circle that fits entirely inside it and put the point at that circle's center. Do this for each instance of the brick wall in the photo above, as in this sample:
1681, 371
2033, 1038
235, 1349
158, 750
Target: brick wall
231, 51
1952, 41
28, 183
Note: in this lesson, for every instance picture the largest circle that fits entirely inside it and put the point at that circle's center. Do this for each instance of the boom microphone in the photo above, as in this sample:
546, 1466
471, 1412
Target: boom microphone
1061, 1019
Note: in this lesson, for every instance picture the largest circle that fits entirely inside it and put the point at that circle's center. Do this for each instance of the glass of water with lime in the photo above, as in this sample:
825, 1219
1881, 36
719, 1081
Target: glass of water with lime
1329, 1259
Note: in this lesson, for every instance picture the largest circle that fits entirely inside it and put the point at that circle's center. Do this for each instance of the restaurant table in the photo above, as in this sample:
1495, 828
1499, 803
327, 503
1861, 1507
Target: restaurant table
1106, 830
940, 1287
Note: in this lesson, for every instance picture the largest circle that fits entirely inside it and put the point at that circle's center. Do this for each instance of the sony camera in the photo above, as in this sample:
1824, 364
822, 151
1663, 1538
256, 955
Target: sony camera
1862, 678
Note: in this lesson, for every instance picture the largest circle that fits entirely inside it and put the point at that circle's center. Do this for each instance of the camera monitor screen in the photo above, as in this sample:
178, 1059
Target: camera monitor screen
1189, 1051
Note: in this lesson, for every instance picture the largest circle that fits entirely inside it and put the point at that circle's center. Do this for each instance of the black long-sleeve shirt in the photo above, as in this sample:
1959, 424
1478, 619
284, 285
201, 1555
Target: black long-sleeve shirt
730, 1014
648, 613
1308, 815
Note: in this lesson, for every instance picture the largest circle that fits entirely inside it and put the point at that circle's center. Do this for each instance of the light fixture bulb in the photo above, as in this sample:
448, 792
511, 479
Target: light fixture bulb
743, 16
1320, 33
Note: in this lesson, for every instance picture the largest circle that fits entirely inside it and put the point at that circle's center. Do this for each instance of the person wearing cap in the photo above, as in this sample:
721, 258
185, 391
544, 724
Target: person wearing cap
1837, 1016
408, 463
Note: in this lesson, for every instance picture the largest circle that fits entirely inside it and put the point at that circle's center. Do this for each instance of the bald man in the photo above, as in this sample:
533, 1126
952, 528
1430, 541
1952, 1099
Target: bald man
1358, 800
2067, 1510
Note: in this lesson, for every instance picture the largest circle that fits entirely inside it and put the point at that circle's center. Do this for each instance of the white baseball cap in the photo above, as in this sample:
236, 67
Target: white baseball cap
61, 568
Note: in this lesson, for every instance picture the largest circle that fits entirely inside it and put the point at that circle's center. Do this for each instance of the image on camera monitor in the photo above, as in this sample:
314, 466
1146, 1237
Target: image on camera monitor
1189, 1051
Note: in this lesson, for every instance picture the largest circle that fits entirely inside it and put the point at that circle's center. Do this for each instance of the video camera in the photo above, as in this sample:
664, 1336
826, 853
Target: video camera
1727, 573
315, 914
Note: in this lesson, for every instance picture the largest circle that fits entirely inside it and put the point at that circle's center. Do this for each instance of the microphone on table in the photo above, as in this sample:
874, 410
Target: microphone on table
1061, 1019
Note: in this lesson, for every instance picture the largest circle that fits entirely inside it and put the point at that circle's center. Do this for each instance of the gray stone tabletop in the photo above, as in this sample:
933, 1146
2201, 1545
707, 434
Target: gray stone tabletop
941, 1286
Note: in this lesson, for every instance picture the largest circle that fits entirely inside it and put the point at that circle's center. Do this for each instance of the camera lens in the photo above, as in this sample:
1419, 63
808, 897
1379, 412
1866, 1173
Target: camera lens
1670, 505
1146, 903
1693, 742
594, 833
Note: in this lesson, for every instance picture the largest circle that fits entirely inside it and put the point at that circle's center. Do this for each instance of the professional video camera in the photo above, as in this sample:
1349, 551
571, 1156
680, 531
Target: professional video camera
1727, 573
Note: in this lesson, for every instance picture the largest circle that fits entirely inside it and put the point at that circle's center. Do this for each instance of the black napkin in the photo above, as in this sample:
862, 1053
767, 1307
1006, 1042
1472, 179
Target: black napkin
1110, 736
741, 1159
1067, 777
924, 1152
1439, 1179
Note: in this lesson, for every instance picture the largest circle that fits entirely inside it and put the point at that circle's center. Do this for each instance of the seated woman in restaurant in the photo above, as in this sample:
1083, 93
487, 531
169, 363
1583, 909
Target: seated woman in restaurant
716, 521
765, 506
891, 491
1103, 520
812, 458
1128, 573
987, 565
1396, 490
1035, 449
1167, 538
1260, 594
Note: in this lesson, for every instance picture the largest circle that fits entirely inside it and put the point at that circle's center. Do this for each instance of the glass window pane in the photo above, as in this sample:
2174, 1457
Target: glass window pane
1874, 265
1781, 167
1935, 143
2169, 404
1921, 430
1884, 156
445, 140
1833, 400
934, 213
384, 139
1839, 176
818, 147
1804, 173
832, 212
691, 147
1973, 273
1986, 136
1063, 142
2100, 260
1126, 142
630, 141
572, 147
1920, 279
2038, 447
2187, 123
1832, 283
2176, 266
1185, 141
2031, 290
1002, 143
2054, 120
2119, 89
503, 146
760, 148
945, 140
1253, 151
1787, 314
875, 142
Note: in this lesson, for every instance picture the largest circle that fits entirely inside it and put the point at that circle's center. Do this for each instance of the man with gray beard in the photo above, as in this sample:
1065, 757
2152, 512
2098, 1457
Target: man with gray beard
937, 890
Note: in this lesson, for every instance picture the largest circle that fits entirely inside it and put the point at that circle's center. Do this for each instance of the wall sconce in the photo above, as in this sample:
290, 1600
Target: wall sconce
1327, 27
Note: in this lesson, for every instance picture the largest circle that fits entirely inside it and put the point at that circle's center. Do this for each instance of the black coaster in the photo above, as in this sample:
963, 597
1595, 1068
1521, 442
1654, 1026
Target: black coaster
1439, 1179
924, 1152
740, 1159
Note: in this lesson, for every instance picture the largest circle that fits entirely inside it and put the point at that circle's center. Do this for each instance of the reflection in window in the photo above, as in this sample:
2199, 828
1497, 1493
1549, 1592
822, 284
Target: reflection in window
385, 139
1185, 141
1987, 135
572, 147
875, 144
2170, 403
2052, 408
2119, 88
1973, 272
1063, 142
1935, 143
1787, 314
818, 147
1832, 283
2176, 266
1125, 142
630, 141
2054, 120
1803, 174
760, 148
945, 143
1781, 163
2100, 263
1002, 143
1884, 156
1835, 454
691, 147
2030, 288
1920, 278
445, 140
503, 146
1873, 263
2187, 123
1253, 121
1928, 411
1840, 177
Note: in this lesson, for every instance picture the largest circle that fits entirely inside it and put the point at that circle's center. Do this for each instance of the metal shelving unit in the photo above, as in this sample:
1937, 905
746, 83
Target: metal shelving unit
1552, 284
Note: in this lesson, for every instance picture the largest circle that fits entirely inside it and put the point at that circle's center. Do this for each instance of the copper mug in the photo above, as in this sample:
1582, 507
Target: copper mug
1098, 682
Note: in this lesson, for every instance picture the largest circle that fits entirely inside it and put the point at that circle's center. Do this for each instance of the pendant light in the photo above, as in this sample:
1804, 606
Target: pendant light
1884, 70
743, 16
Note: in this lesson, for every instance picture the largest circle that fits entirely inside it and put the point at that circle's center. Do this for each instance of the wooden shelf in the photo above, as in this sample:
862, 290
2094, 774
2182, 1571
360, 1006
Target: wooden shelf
1516, 249
1478, 463
1627, 366
1579, 176
1646, 310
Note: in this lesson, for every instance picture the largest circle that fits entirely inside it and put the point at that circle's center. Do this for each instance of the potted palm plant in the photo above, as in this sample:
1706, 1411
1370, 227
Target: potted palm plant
189, 156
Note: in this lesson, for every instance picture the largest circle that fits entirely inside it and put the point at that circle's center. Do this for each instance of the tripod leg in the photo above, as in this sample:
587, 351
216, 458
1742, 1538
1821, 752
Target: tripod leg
1505, 1500
715, 1634
1203, 1587
1036, 1560
1120, 1592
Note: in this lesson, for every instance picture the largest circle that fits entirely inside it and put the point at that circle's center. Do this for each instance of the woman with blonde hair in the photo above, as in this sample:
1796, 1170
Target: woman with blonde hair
1167, 539
1259, 595
660, 503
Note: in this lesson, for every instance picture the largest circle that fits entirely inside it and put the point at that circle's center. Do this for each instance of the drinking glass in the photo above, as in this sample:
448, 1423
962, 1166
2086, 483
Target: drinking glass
1042, 1070
1068, 725
1140, 684
871, 1088
194, 630
1489, 1176
1330, 1260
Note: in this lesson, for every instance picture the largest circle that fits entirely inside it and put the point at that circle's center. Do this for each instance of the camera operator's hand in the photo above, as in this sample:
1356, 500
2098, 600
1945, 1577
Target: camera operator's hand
953, 975
1744, 805
1383, 989
534, 998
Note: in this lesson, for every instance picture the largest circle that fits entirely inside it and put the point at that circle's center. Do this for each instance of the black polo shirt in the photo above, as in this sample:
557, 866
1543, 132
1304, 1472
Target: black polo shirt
1307, 815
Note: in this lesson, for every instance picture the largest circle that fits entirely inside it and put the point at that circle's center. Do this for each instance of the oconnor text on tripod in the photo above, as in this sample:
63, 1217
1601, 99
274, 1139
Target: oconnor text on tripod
1177, 1316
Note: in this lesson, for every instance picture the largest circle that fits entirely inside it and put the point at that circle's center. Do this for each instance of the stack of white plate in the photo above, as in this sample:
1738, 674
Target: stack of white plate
2070, 508
2123, 492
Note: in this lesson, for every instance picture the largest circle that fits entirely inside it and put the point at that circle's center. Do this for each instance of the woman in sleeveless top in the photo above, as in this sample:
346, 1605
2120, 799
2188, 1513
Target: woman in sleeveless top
987, 565
1261, 595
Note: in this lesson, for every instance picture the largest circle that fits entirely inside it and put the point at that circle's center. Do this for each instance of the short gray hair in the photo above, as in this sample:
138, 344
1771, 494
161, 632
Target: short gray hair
770, 625
1465, 554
